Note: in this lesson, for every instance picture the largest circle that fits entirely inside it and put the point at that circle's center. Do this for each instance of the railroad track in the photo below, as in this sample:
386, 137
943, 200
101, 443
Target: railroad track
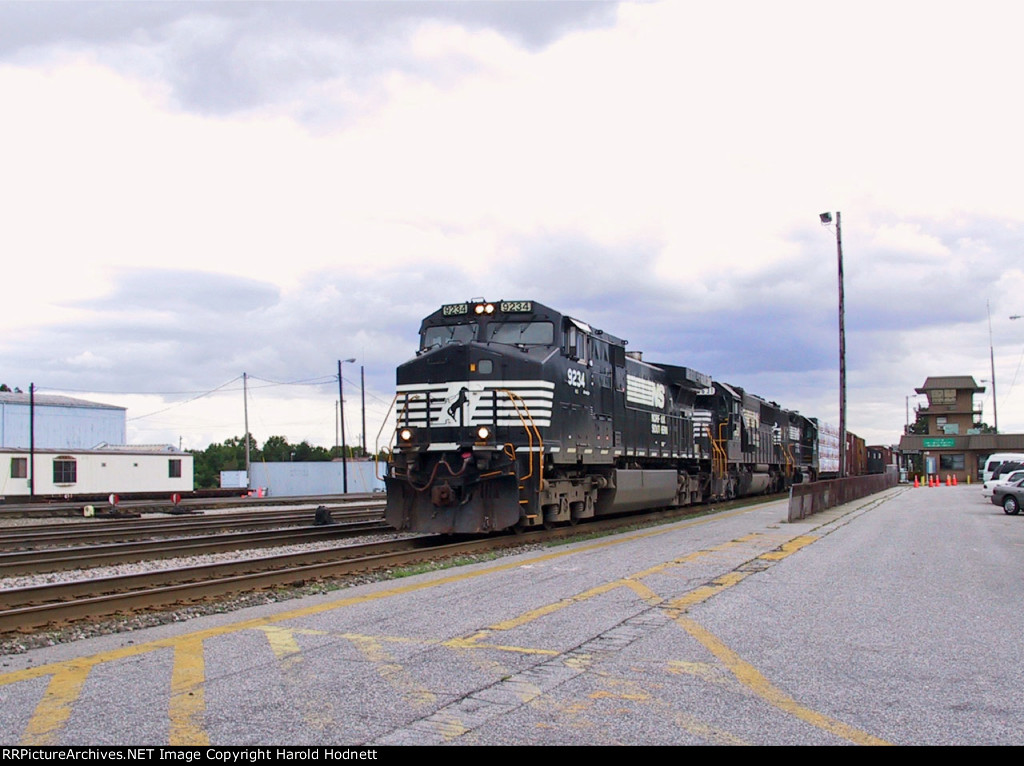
34, 607
26, 562
29, 608
187, 504
121, 530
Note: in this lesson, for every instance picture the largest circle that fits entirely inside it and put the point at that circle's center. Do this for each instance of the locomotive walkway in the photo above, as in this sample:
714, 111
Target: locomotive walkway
889, 620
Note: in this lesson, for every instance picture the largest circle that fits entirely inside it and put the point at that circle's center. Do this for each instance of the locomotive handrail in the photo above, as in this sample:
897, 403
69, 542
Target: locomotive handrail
513, 397
790, 460
720, 459
376, 444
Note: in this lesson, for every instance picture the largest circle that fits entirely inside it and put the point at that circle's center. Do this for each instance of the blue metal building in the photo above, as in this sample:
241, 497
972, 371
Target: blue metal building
61, 422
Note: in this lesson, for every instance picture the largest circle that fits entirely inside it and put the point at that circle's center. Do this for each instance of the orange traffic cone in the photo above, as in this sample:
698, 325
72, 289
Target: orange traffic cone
949, 480
954, 479
916, 485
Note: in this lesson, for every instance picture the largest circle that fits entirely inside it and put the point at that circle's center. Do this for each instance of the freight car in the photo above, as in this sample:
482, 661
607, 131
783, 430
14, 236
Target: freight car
513, 415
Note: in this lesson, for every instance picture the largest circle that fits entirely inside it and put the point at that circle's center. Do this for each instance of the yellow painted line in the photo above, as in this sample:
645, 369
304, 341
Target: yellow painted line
448, 726
642, 697
391, 670
475, 643
188, 698
708, 672
649, 596
547, 609
750, 677
54, 708
746, 673
789, 547
283, 643
703, 593
709, 733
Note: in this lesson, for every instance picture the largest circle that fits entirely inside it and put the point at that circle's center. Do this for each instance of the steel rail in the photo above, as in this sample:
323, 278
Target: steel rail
12, 538
83, 557
26, 608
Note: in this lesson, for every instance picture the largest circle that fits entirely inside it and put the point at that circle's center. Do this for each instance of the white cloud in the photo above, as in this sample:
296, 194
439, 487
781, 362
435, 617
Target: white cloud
660, 166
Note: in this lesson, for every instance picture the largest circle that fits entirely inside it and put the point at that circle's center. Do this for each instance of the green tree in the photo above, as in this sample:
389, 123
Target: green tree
226, 456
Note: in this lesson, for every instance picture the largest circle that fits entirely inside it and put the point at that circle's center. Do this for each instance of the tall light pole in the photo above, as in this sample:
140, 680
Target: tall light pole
826, 219
341, 413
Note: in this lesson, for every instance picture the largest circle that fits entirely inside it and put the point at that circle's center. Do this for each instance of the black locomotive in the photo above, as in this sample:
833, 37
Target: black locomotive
513, 415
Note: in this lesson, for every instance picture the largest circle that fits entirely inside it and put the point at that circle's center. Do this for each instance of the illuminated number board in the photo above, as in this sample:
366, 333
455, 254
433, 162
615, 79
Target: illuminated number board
454, 309
516, 306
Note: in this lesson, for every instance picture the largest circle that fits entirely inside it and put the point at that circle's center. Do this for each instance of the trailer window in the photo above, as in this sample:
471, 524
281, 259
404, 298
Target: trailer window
65, 470
19, 467
174, 468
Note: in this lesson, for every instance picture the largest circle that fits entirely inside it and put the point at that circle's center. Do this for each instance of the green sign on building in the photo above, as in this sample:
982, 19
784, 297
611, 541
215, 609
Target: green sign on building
944, 443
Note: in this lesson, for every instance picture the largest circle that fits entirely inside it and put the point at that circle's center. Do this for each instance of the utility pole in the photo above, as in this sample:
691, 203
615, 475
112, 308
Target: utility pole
245, 405
32, 440
362, 388
341, 412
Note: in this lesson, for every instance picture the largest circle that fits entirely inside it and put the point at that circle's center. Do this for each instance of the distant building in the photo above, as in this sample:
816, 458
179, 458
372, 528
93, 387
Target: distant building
58, 446
308, 478
73, 473
953, 444
60, 422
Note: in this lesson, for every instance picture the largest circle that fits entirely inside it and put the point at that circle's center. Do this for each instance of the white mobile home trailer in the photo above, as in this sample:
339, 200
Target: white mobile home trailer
74, 473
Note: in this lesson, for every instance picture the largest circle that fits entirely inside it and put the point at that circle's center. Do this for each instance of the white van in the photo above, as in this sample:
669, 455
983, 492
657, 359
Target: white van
994, 461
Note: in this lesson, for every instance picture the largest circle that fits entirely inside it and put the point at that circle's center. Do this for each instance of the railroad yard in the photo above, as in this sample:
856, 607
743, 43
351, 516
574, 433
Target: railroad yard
880, 622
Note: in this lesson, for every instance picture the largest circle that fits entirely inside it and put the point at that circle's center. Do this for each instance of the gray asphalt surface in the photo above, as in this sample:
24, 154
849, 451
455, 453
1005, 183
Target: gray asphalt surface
894, 620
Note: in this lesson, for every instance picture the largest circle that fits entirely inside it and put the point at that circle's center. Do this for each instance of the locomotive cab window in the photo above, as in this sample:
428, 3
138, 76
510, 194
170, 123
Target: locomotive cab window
577, 343
443, 334
520, 333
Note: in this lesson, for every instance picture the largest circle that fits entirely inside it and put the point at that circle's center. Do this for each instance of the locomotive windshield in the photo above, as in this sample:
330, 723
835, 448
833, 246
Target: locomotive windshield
443, 334
520, 333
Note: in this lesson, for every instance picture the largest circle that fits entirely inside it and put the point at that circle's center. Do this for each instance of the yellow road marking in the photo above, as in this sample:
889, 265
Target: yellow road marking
391, 670
54, 708
750, 677
789, 547
188, 698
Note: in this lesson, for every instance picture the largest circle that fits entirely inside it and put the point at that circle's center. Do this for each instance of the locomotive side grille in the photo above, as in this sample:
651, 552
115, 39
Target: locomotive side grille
474, 403
702, 424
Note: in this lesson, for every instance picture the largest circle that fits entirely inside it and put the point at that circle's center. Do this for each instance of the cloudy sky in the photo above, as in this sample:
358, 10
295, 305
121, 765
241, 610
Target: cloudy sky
190, 191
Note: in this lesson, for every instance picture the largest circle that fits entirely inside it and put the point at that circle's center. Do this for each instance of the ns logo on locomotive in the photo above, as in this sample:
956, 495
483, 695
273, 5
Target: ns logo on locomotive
512, 415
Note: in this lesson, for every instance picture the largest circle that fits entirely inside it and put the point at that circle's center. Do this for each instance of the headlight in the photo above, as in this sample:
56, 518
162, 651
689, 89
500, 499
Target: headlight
405, 435
484, 308
483, 433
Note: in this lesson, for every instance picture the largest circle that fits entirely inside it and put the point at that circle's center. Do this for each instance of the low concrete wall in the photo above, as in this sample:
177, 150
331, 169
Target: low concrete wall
806, 499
